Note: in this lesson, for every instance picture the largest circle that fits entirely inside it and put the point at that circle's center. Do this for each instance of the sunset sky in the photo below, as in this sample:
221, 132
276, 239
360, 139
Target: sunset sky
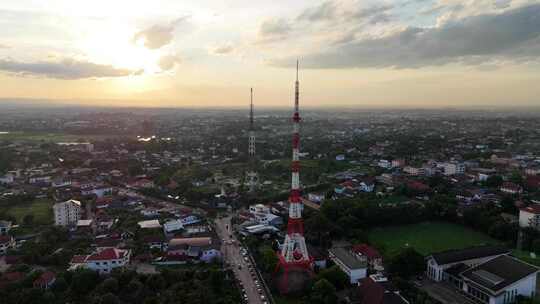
411, 53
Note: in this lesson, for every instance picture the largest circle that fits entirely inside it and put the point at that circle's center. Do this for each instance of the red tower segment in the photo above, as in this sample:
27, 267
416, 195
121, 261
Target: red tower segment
294, 254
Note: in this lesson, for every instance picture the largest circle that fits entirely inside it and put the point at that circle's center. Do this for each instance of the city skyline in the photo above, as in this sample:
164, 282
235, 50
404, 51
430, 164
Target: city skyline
414, 53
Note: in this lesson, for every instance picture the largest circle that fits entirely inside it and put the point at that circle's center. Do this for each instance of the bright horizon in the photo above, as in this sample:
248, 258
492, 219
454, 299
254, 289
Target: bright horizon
381, 54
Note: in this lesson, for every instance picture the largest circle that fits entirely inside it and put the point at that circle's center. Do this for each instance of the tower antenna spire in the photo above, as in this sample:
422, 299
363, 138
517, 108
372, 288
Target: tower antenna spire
294, 254
296, 70
252, 177
251, 111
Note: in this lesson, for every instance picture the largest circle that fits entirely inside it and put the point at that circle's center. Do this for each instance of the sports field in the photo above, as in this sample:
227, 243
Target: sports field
426, 237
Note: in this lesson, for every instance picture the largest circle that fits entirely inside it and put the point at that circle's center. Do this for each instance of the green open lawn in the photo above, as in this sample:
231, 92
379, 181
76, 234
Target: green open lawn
40, 208
526, 257
427, 237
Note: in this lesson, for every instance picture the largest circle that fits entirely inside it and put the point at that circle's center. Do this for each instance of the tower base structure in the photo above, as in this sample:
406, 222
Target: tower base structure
293, 277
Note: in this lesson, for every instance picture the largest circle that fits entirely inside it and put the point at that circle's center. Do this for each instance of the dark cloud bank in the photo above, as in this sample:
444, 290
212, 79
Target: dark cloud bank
512, 35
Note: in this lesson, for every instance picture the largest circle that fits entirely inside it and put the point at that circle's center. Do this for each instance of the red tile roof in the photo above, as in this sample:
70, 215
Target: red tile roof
45, 278
370, 292
78, 259
5, 239
107, 254
12, 276
531, 209
511, 186
368, 251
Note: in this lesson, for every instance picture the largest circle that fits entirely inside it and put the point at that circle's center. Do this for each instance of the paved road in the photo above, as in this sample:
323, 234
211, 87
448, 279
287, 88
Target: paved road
444, 293
233, 256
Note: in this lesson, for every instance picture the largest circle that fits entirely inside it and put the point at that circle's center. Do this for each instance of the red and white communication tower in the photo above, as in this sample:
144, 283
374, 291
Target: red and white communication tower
294, 255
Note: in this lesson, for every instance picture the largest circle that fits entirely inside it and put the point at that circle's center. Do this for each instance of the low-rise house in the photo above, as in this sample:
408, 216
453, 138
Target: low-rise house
6, 242
40, 180
374, 258
376, 289
151, 224
98, 191
511, 188
172, 226
45, 280
198, 248
5, 226
108, 259
367, 184
7, 179
316, 197
353, 265
438, 263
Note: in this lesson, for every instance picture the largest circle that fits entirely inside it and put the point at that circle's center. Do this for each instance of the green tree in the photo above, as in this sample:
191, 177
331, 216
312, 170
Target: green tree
335, 276
323, 292
407, 263
269, 258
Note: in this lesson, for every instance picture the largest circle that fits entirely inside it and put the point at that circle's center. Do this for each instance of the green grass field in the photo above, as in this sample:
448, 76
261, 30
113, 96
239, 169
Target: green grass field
526, 257
40, 208
427, 237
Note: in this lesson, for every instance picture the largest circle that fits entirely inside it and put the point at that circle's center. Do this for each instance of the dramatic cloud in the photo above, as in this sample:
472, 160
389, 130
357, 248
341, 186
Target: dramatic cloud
274, 29
372, 14
222, 49
158, 36
168, 62
325, 11
511, 35
65, 69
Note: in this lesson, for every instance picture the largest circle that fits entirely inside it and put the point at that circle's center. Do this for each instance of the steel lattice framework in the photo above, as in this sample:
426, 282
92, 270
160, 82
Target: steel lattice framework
294, 253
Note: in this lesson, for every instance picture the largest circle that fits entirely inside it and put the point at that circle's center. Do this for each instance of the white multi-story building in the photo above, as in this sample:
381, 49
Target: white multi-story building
355, 266
103, 261
529, 216
453, 168
414, 171
67, 213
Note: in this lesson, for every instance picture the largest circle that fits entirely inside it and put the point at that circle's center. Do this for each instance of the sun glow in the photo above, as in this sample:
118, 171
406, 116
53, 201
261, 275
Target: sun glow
114, 45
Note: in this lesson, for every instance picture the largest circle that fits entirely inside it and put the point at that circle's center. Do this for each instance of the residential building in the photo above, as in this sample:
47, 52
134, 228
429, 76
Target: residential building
373, 257
5, 226
172, 226
529, 216
383, 163
452, 168
108, 259
316, 197
67, 213
414, 171
438, 263
376, 289
6, 242
7, 179
511, 188
45, 280
353, 265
